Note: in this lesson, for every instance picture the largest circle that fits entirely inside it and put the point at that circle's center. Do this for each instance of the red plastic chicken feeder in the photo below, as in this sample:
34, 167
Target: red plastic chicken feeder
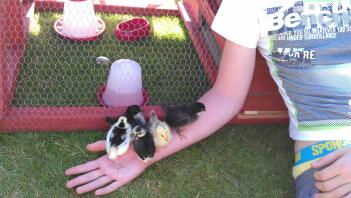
133, 29
100, 91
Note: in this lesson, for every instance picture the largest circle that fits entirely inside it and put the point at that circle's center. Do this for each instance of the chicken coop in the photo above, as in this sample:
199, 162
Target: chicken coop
50, 79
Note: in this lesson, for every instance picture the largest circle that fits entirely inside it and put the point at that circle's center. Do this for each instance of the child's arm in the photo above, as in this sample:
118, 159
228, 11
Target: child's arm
222, 102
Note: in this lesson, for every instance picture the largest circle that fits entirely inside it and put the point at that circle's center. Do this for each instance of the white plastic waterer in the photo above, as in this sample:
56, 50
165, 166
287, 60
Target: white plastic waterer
79, 20
124, 85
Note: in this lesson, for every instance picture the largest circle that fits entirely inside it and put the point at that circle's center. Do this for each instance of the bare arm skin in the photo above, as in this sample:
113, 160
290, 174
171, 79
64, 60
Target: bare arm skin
223, 101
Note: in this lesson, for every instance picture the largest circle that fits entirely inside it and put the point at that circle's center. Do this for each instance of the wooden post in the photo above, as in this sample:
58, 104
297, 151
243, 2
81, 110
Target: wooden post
13, 47
2, 61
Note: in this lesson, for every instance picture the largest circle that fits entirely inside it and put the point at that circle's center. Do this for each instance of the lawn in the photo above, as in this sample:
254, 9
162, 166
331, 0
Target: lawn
237, 161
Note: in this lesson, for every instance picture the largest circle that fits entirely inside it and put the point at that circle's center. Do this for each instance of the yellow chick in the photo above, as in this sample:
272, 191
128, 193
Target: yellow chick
160, 131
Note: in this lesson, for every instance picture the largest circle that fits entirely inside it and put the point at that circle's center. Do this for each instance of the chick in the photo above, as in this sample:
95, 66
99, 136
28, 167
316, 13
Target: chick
181, 115
102, 60
118, 138
133, 114
143, 142
160, 130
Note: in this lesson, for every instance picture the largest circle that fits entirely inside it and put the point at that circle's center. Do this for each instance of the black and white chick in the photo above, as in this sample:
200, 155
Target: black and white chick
180, 115
118, 138
160, 130
143, 142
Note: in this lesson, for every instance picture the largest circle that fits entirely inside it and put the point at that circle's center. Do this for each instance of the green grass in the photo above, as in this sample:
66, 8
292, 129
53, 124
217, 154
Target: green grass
59, 72
237, 161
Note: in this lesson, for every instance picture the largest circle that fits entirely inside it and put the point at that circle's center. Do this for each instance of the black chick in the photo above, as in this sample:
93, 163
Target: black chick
134, 116
181, 115
143, 142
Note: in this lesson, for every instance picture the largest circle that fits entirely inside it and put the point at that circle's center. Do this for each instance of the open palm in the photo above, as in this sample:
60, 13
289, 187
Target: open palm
104, 175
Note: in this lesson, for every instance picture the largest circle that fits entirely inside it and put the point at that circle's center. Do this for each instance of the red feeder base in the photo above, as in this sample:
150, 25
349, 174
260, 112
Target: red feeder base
133, 29
100, 91
59, 25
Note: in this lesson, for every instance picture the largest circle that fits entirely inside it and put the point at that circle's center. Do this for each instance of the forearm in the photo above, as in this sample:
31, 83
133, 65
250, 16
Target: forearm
219, 110
222, 102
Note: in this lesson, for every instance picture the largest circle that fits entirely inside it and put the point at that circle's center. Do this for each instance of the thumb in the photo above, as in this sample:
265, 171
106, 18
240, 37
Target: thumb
96, 146
328, 159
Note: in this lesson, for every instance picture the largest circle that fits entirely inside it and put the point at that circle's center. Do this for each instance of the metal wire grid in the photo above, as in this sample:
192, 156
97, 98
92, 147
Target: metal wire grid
58, 72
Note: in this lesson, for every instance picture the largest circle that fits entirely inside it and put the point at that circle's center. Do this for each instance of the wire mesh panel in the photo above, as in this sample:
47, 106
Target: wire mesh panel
56, 57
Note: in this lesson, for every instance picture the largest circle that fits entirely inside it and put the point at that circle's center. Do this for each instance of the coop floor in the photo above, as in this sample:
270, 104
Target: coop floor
59, 72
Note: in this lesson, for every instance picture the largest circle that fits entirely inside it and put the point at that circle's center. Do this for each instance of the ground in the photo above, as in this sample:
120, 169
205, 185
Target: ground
237, 161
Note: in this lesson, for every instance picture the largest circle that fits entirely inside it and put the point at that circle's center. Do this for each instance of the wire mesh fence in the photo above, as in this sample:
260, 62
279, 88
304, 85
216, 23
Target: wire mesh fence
49, 48
59, 72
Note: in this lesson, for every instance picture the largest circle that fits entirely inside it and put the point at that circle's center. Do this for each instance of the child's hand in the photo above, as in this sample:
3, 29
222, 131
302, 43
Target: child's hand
335, 179
104, 175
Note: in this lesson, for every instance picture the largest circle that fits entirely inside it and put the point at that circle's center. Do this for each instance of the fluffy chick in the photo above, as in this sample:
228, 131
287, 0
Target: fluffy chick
160, 130
181, 115
134, 116
118, 138
143, 142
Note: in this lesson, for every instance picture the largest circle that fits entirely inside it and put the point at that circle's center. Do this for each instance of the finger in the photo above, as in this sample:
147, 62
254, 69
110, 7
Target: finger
83, 168
347, 196
108, 189
84, 179
330, 184
341, 191
97, 146
328, 172
102, 181
328, 159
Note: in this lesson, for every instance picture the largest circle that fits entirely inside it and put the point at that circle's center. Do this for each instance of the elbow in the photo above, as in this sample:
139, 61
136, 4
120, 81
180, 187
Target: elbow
232, 102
